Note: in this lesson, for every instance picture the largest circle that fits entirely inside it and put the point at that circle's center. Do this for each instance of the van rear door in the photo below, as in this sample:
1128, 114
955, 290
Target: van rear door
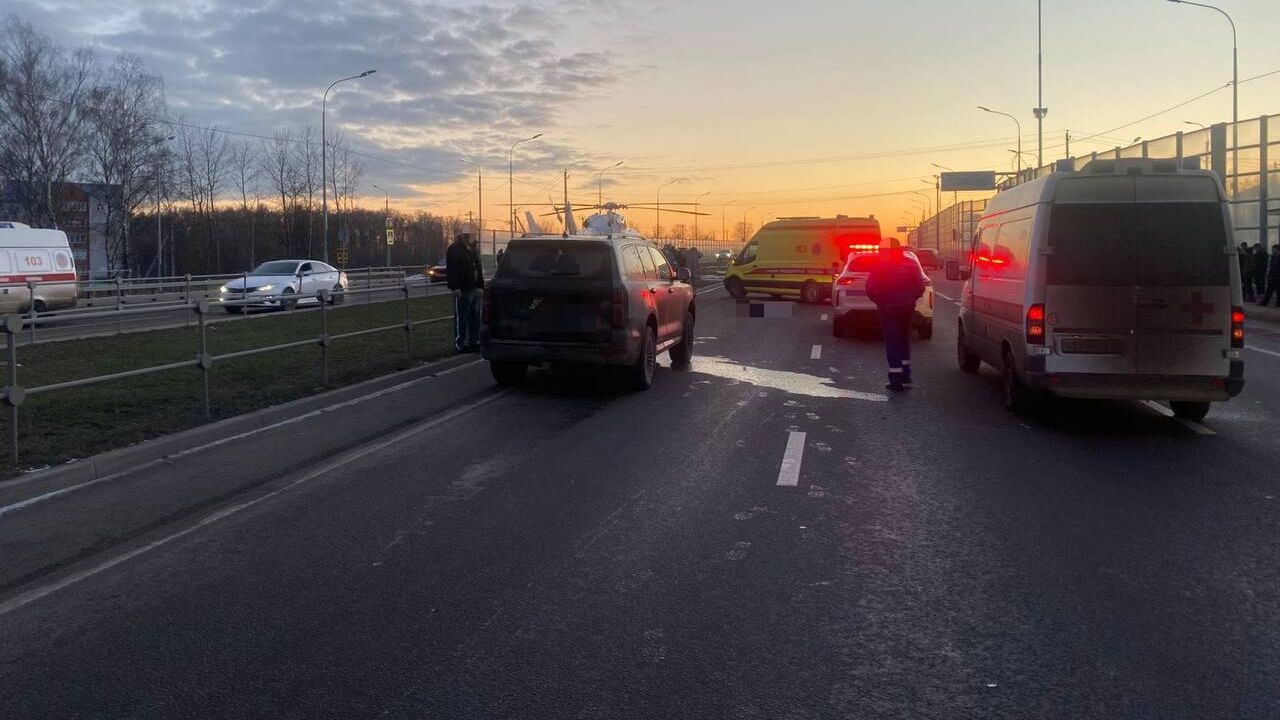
1091, 285
1184, 295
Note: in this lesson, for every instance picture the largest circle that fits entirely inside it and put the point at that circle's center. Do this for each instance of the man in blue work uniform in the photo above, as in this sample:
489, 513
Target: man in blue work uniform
894, 285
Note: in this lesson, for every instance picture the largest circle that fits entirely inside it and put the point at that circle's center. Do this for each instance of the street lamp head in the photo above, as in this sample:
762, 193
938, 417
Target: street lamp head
984, 109
535, 137
367, 73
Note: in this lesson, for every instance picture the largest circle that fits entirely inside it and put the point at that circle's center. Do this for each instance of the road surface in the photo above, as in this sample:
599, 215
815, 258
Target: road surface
764, 535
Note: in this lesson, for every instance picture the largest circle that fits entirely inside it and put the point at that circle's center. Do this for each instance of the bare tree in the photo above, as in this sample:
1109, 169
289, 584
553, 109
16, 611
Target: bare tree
42, 96
307, 152
203, 155
280, 173
245, 171
125, 142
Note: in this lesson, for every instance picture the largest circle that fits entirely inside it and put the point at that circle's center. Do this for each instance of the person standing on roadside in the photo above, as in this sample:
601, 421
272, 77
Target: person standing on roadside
894, 285
465, 276
1245, 256
1261, 261
1273, 277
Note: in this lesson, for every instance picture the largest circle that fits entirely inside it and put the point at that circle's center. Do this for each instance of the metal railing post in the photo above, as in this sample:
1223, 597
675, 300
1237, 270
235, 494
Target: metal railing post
368, 286
408, 324
31, 308
13, 394
186, 296
205, 360
324, 337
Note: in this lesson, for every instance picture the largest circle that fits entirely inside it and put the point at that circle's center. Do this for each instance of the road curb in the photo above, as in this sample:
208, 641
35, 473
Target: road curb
157, 450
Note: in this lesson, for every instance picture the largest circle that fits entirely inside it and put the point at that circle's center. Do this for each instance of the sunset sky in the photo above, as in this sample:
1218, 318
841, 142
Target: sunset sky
795, 108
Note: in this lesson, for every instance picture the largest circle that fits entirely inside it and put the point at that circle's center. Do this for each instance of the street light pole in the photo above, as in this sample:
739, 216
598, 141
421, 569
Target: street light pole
511, 184
1018, 124
696, 201
600, 182
386, 211
1040, 110
324, 160
1235, 90
657, 229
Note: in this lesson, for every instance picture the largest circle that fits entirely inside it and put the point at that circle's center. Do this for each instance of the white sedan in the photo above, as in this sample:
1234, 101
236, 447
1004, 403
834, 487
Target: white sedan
283, 284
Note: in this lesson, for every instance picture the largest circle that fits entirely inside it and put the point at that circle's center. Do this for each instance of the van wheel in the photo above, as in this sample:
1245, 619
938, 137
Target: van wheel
508, 374
1187, 410
925, 330
641, 374
967, 360
810, 293
735, 288
1017, 399
682, 352
40, 307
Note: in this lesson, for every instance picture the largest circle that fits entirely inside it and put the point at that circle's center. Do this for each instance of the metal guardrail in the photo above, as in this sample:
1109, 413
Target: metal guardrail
12, 327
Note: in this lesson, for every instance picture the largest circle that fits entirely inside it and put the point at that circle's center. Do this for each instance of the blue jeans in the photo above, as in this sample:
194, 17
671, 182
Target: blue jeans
895, 325
466, 320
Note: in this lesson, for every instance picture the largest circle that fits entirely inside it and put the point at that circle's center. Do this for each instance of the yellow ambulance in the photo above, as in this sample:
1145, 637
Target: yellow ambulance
797, 257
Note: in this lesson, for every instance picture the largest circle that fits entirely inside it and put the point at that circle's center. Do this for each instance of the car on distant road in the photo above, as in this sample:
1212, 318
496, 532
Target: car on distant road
928, 257
605, 301
283, 284
437, 273
852, 311
724, 255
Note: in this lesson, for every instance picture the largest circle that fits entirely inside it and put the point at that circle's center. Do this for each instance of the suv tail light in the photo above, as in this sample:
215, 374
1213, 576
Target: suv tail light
619, 314
486, 306
1035, 324
846, 280
1237, 327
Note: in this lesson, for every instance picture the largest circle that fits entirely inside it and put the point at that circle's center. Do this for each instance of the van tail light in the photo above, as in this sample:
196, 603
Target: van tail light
1237, 327
1035, 324
486, 306
619, 314
846, 280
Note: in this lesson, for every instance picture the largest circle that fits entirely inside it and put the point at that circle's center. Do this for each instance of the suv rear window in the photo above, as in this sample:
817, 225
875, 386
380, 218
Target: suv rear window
551, 259
863, 263
1138, 244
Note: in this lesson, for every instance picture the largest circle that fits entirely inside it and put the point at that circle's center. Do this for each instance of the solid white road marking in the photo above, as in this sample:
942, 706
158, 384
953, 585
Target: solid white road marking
37, 593
1194, 427
233, 438
789, 473
1273, 353
816, 353
710, 289
825, 317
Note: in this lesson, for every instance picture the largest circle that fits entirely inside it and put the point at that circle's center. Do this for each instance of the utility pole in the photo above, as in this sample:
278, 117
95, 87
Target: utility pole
1041, 110
1068, 144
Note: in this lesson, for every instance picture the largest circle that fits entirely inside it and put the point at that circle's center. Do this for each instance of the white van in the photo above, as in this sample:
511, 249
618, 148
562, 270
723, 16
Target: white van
41, 256
1118, 281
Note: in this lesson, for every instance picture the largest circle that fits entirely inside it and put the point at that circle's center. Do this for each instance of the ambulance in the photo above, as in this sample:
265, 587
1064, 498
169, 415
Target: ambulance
797, 257
35, 265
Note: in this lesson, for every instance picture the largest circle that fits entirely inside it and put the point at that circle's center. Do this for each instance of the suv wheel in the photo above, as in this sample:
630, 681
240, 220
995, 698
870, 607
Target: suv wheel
647, 364
508, 374
682, 352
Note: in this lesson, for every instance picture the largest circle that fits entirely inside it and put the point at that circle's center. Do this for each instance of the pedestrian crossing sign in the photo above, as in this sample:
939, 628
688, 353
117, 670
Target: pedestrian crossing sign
391, 237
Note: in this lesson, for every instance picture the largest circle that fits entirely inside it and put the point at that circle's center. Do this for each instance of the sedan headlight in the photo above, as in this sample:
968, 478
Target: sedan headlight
223, 289
266, 288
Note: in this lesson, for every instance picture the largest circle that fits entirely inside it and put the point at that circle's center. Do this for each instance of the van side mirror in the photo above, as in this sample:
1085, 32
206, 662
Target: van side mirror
684, 274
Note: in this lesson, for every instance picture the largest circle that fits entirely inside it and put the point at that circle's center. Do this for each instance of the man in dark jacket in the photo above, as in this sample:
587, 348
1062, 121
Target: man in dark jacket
1261, 261
465, 276
1273, 277
894, 285
1245, 256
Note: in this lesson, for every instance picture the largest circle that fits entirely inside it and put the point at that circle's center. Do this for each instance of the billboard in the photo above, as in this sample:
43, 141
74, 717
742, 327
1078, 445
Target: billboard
962, 181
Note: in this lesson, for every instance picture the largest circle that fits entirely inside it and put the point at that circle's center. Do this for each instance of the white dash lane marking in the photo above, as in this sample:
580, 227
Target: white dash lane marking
816, 353
944, 297
789, 473
1194, 427
825, 317
1272, 353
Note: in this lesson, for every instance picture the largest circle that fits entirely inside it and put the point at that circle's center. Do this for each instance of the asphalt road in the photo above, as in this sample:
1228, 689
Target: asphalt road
570, 551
